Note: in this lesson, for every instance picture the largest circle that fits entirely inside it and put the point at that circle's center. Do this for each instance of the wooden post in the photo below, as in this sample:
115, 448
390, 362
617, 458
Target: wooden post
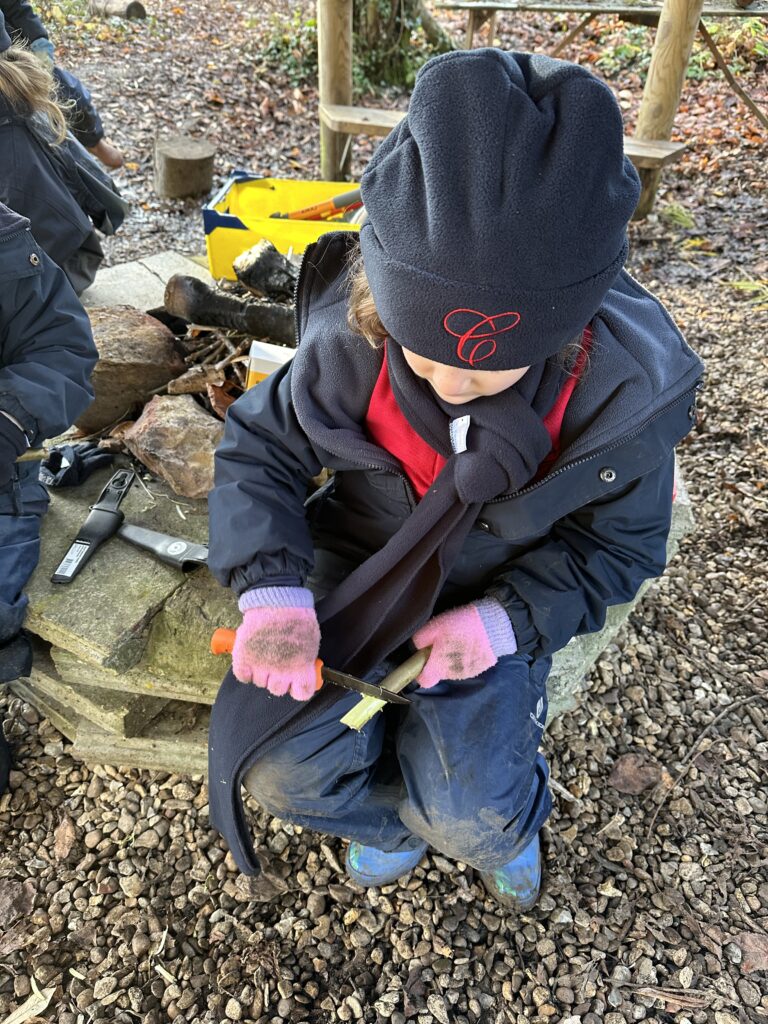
334, 53
678, 22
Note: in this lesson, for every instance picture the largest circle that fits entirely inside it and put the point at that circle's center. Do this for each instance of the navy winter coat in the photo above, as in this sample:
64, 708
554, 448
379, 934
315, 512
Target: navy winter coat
20, 19
49, 193
556, 554
47, 352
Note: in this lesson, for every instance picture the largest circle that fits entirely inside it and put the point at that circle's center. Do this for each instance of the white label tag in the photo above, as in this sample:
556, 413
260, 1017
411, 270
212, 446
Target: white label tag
72, 559
459, 429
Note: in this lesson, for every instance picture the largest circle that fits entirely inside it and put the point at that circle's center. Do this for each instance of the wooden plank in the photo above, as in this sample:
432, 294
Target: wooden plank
375, 121
652, 153
359, 120
757, 9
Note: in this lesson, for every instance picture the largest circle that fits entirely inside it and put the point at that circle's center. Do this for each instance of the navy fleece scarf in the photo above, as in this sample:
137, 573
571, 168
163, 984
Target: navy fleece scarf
381, 604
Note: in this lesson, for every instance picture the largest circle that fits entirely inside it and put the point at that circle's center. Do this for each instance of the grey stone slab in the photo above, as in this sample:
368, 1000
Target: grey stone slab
114, 710
102, 616
136, 680
62, 717
141, 283
178, 644
177, 741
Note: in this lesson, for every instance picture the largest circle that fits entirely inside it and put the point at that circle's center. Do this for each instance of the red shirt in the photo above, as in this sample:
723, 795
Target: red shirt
387, 427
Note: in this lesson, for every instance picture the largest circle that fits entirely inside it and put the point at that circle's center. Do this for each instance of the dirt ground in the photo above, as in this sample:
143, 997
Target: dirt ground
115, 893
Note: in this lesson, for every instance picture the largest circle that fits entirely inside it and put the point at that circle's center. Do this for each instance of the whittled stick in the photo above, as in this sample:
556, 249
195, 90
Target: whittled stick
396, 681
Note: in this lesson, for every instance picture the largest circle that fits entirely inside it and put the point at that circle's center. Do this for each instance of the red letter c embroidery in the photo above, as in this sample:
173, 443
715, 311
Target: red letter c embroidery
483, 343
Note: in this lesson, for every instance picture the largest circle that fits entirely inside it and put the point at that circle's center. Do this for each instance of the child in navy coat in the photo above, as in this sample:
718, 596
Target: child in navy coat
46, 358
45, 174
499, 401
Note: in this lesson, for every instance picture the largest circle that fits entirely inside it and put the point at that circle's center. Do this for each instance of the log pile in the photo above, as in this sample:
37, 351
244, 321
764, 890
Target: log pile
214, 329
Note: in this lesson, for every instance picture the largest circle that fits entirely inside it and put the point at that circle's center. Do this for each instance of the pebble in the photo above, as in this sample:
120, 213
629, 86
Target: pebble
233, 1010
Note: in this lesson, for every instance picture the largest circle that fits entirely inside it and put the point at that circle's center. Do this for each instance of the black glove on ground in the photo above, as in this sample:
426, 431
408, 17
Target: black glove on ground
68, 465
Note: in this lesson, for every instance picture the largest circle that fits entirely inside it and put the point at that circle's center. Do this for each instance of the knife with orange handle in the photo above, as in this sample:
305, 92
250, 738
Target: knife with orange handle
223, 640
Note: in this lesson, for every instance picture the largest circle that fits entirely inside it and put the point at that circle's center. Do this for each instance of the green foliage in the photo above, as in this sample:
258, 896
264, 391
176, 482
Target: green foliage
292, 47
756, 290
633, 52
742, 41
389, 45
676, 214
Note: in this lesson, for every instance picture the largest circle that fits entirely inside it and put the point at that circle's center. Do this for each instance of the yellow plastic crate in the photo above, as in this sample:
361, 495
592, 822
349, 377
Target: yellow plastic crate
238, 216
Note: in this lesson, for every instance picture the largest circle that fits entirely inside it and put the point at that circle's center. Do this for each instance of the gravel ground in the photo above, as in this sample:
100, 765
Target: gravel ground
114, 891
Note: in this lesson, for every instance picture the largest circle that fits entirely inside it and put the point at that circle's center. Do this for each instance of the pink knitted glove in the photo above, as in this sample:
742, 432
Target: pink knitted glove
465, 641
278, 641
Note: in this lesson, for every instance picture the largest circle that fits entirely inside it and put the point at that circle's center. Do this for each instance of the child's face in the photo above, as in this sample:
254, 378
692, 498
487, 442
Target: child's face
457, 386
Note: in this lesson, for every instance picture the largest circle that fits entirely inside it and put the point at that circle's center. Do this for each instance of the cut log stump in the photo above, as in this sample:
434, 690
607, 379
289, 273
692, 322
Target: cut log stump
131, 10
183, 166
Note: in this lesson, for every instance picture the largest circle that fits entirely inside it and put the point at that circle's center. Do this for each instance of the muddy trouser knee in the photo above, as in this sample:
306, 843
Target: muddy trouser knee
85, 121
466, 775
475, 782
336, 780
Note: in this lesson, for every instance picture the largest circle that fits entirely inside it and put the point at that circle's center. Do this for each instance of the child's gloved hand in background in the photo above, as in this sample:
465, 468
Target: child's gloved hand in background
465, 641
278, 641
44, 50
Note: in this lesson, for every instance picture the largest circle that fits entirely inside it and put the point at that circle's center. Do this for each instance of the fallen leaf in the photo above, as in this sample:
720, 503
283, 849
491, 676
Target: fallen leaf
632, 774
35, 1005
16, 899
221, 396
754, 949
64, 838
15, 938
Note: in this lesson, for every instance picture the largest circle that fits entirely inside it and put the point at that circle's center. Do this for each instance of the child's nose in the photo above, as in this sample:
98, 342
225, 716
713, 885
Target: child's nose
450, 380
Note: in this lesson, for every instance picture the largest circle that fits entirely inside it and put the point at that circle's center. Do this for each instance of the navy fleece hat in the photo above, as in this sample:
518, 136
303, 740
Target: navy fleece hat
497, 209
5, 39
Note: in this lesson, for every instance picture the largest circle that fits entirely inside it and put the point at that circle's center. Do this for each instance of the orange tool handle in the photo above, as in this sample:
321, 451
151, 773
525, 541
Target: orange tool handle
320, 211
223, 640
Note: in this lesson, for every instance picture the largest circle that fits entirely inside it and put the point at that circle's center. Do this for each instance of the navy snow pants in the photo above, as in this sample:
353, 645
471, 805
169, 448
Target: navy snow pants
460, 768
19, 554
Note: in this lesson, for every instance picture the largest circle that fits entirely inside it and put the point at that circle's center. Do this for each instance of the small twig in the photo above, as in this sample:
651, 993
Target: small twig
102, 430
213, 354
720, 61
560, 789
686, 762
196, 356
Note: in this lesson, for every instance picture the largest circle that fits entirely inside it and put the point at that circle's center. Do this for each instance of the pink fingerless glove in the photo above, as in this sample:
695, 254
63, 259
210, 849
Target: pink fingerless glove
278, 641
465, 641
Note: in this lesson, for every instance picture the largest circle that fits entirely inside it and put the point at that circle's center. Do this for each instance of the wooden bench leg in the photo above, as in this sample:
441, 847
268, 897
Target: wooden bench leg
570, 36
477, 18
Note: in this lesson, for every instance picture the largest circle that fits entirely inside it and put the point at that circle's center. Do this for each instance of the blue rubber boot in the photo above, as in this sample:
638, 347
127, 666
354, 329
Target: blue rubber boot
517, 884
371, 867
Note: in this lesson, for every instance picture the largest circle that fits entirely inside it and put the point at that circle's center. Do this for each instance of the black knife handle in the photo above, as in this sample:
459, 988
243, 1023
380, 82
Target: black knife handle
100, 525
